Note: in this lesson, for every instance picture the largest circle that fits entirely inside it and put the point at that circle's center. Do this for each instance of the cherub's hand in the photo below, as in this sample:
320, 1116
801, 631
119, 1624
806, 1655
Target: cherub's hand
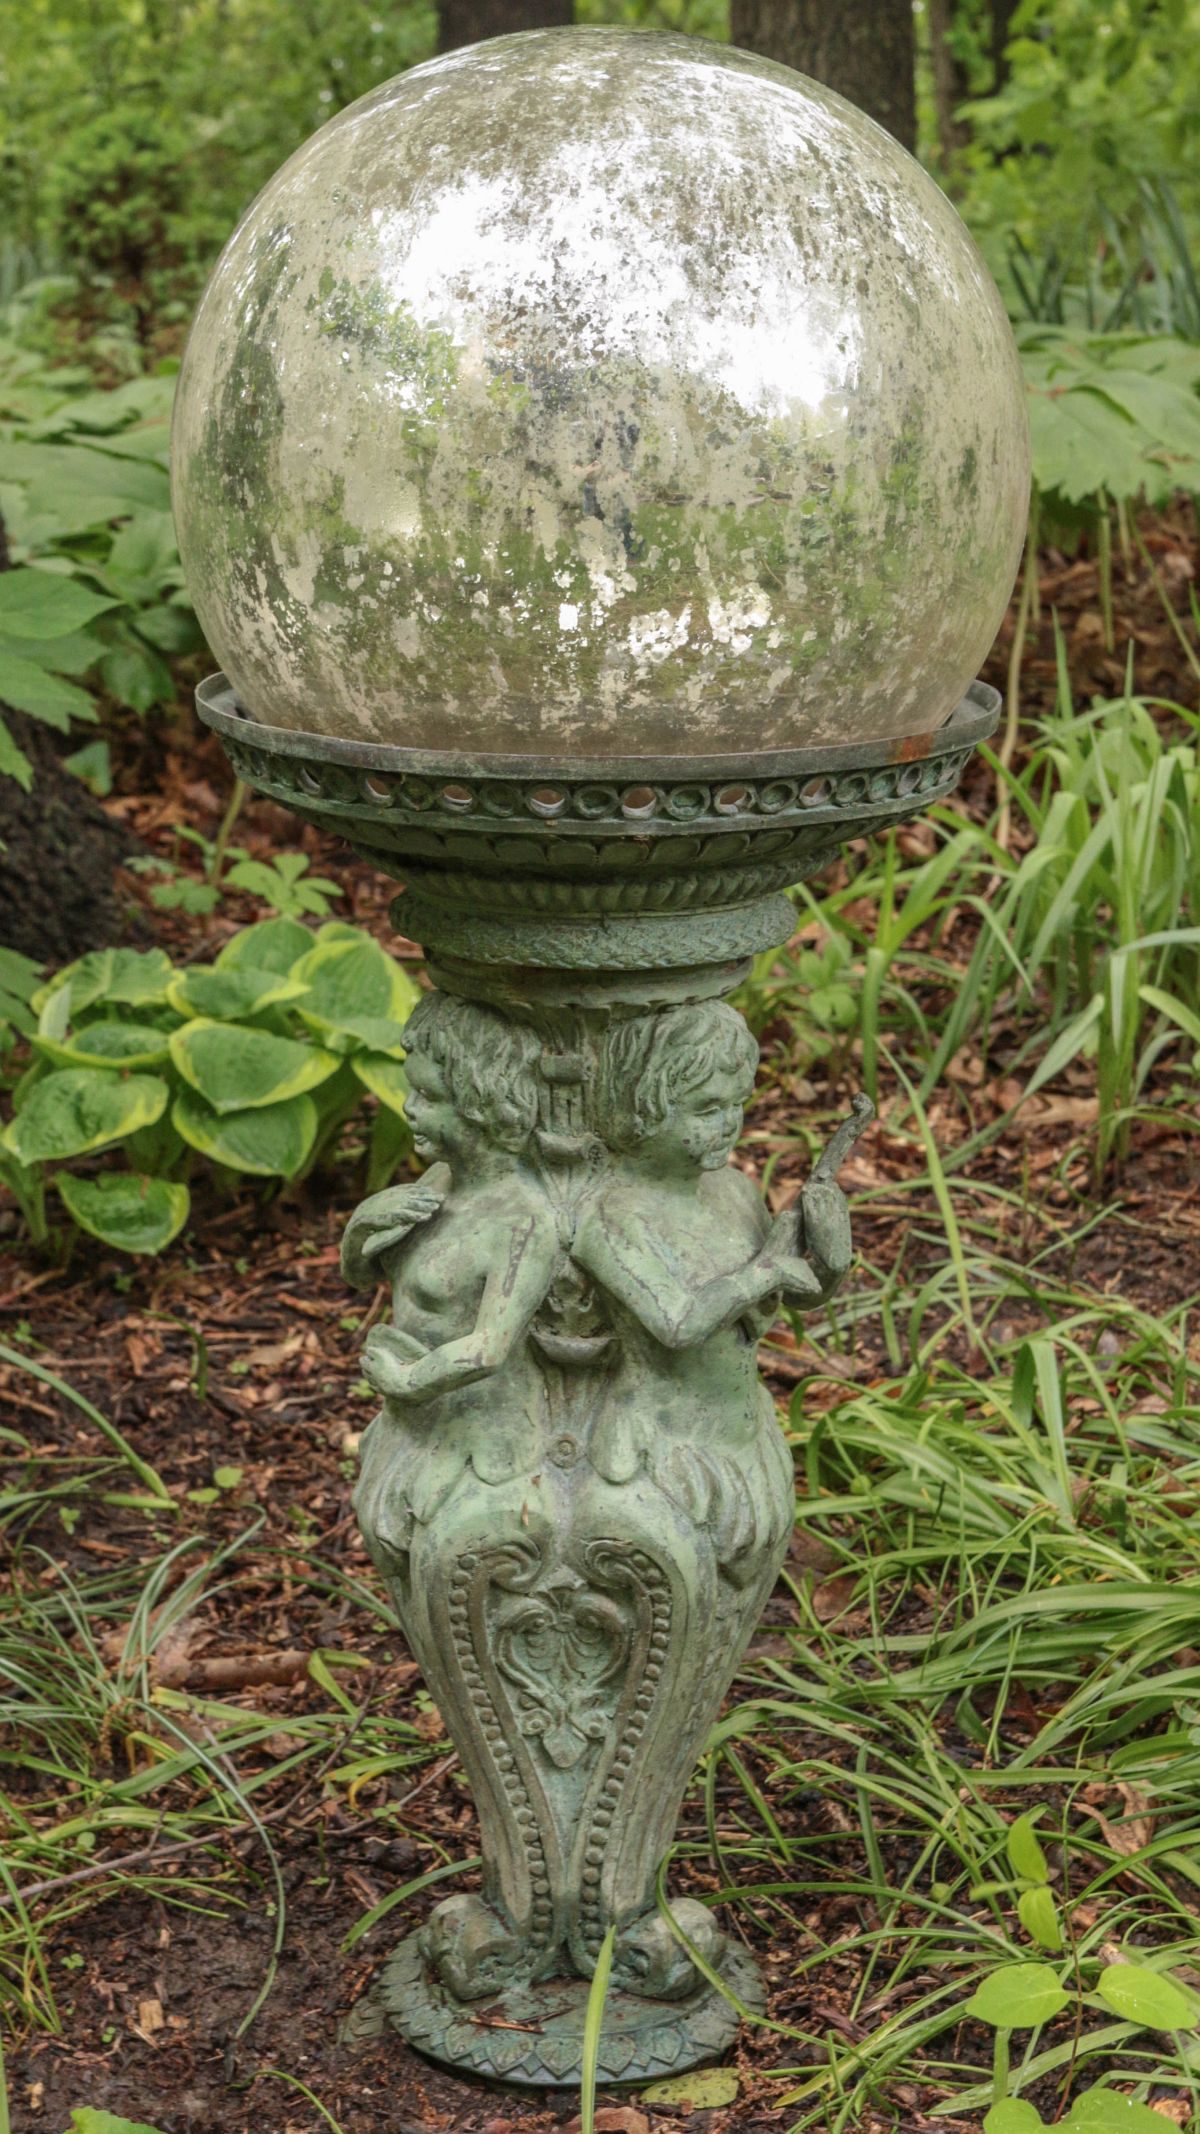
388, 1357
386, 1219
796, 1279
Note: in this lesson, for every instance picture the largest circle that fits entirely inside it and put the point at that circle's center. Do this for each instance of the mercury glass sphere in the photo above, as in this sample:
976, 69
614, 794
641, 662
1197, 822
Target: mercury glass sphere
601, 393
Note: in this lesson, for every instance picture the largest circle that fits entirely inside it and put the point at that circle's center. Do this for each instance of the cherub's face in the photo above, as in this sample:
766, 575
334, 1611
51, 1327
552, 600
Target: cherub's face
437, 1128
700, 1131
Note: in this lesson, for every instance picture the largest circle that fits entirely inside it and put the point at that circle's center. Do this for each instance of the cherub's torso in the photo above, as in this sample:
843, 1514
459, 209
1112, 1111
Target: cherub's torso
439, 1272
707, 1230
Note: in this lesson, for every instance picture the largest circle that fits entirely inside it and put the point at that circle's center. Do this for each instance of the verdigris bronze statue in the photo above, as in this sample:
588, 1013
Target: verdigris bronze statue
600, 464
578, 1491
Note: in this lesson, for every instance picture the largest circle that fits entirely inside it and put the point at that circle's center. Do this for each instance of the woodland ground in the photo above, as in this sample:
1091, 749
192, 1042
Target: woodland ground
854, 1815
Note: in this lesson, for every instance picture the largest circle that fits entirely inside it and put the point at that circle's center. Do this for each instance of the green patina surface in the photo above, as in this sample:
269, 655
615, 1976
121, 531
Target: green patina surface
600, 391
577, 1489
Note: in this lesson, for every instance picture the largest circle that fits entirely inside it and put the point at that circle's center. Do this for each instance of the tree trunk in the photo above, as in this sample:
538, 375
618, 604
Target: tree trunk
950, 85
1002, 15
862, 48
470, 21
59, 852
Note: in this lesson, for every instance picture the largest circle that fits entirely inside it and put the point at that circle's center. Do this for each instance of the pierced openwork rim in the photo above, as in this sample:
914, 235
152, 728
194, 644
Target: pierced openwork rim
395, 787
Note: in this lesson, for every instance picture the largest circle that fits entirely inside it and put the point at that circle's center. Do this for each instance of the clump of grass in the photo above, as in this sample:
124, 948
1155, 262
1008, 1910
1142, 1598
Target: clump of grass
1011, 1647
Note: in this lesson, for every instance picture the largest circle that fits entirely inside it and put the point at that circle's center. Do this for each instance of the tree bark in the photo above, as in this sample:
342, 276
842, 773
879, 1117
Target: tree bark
1002, 15
950, 84
862, 48
59, 851
470, 21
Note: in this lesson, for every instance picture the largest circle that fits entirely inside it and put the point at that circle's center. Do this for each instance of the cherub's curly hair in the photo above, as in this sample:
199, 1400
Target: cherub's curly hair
490, 1064
647, 1065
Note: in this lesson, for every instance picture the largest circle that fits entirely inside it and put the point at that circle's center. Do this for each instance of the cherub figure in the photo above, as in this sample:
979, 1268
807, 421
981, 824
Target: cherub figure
679, 1241
471, 1250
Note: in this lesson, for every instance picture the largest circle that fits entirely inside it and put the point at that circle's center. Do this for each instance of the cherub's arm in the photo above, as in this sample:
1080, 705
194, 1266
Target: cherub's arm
631, 1259
385, 1220
514, 1289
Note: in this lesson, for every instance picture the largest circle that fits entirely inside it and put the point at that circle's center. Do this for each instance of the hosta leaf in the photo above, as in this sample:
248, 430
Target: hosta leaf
273, 1141
107, 1044
1025, 1855
82, 1108
376, 1032
1038, 1915
134, 977
237, 1069
352, 978
135, 1214
1017, 1997
45, 604
224, 995
272, 945
1150, 1998
27, 686
384, 1077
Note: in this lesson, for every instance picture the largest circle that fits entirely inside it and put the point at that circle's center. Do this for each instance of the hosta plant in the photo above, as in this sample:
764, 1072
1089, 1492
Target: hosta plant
250, 1064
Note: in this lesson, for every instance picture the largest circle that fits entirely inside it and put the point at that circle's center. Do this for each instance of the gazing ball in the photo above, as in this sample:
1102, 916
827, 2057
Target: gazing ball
596, 393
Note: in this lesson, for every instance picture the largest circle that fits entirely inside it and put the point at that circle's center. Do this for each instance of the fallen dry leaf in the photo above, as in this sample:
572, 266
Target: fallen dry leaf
614, 2119
831, 1605
272, 1353
1133, 1831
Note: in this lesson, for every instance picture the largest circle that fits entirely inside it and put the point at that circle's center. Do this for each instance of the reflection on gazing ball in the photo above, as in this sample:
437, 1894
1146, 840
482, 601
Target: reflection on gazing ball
599, 392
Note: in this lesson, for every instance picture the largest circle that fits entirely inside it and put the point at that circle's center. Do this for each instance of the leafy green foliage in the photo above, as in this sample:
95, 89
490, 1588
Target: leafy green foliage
18, 984
1018, 1997
86, 2120
1095, 2111
253, 1063
285, 884
1112, 415
137, 1214
704, 2090
98, 589
812, 988
114, 208
134, 203
1147, 1997
1097, 101
1089, 935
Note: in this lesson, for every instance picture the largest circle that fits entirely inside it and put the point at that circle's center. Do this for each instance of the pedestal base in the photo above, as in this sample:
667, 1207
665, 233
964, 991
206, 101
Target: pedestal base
534, 2034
